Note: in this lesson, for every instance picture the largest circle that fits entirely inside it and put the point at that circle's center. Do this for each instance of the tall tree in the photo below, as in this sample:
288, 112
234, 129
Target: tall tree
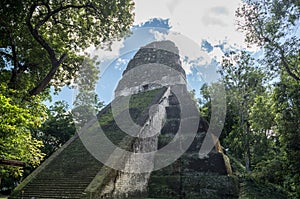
86, 103
42, 44
16, 142
42, 40
57, 129
287, 106
273, 25
243, 82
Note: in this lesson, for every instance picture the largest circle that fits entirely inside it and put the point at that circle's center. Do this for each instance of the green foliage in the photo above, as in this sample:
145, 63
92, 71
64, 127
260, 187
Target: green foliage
262, 121
193, 96
262, 112
16, 120
41, 40
137, 102
272, 24
243, 82
250, 188
87, 103
57, 129
141, 101
287, 106
42, 45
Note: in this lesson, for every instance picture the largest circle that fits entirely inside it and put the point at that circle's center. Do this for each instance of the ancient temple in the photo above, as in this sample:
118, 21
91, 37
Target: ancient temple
154, 86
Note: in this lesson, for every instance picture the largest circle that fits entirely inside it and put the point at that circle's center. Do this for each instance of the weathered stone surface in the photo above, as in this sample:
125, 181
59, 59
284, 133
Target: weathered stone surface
198, 185
171, 126
215, 163
154, 65
173, 100
173, 112
72, 172
164, 52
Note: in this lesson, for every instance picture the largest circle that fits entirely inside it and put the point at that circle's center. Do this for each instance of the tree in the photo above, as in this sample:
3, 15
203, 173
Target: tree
287, 107
272, 25
262, 122
16, 142
41, 40
57, 129
243, 82
42, 44
87, 103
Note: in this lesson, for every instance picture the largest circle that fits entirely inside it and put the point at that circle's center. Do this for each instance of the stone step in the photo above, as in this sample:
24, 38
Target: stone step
64, 179
56, 187
173, 112
52, 191
65, 184
206, 185
49, 196
171, 126
47, 187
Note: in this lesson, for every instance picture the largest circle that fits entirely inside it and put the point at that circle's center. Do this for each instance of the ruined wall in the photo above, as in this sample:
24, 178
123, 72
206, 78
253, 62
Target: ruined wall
126, 184
154, 65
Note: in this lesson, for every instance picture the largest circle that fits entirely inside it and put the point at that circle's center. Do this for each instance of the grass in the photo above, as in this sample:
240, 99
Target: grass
138, 103
138, 109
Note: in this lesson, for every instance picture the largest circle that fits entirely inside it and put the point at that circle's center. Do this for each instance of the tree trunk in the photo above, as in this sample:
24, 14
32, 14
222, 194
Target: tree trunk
14, 163
43, 84
248, 152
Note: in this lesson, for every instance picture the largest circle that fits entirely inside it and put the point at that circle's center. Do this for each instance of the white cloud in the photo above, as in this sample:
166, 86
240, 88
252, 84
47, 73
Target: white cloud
191, 53
194, 20
105, 56
148, 9
121, 63
213, 20
104, 53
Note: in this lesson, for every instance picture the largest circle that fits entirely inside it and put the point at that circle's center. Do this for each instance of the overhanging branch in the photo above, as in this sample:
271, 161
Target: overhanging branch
43, 84
55, 63
61, 8
15, 163
285, 63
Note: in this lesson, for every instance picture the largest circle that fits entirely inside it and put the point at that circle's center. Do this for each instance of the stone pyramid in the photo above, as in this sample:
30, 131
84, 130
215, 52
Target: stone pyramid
153, 154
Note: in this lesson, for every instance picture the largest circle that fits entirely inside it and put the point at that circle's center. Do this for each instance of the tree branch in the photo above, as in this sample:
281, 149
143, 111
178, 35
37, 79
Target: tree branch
54, 62
15, 163
285, 63
287, 68
61, 8
37, 37
42, 85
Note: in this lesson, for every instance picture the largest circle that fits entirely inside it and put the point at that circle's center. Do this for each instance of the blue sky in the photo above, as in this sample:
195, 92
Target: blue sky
202, 30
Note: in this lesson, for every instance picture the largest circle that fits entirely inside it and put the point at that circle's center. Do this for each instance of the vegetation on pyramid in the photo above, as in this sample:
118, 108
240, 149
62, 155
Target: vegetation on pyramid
74, 171
71, 169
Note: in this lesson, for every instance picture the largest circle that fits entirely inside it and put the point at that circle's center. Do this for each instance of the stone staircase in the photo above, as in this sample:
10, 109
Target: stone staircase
72, 172
66, 176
